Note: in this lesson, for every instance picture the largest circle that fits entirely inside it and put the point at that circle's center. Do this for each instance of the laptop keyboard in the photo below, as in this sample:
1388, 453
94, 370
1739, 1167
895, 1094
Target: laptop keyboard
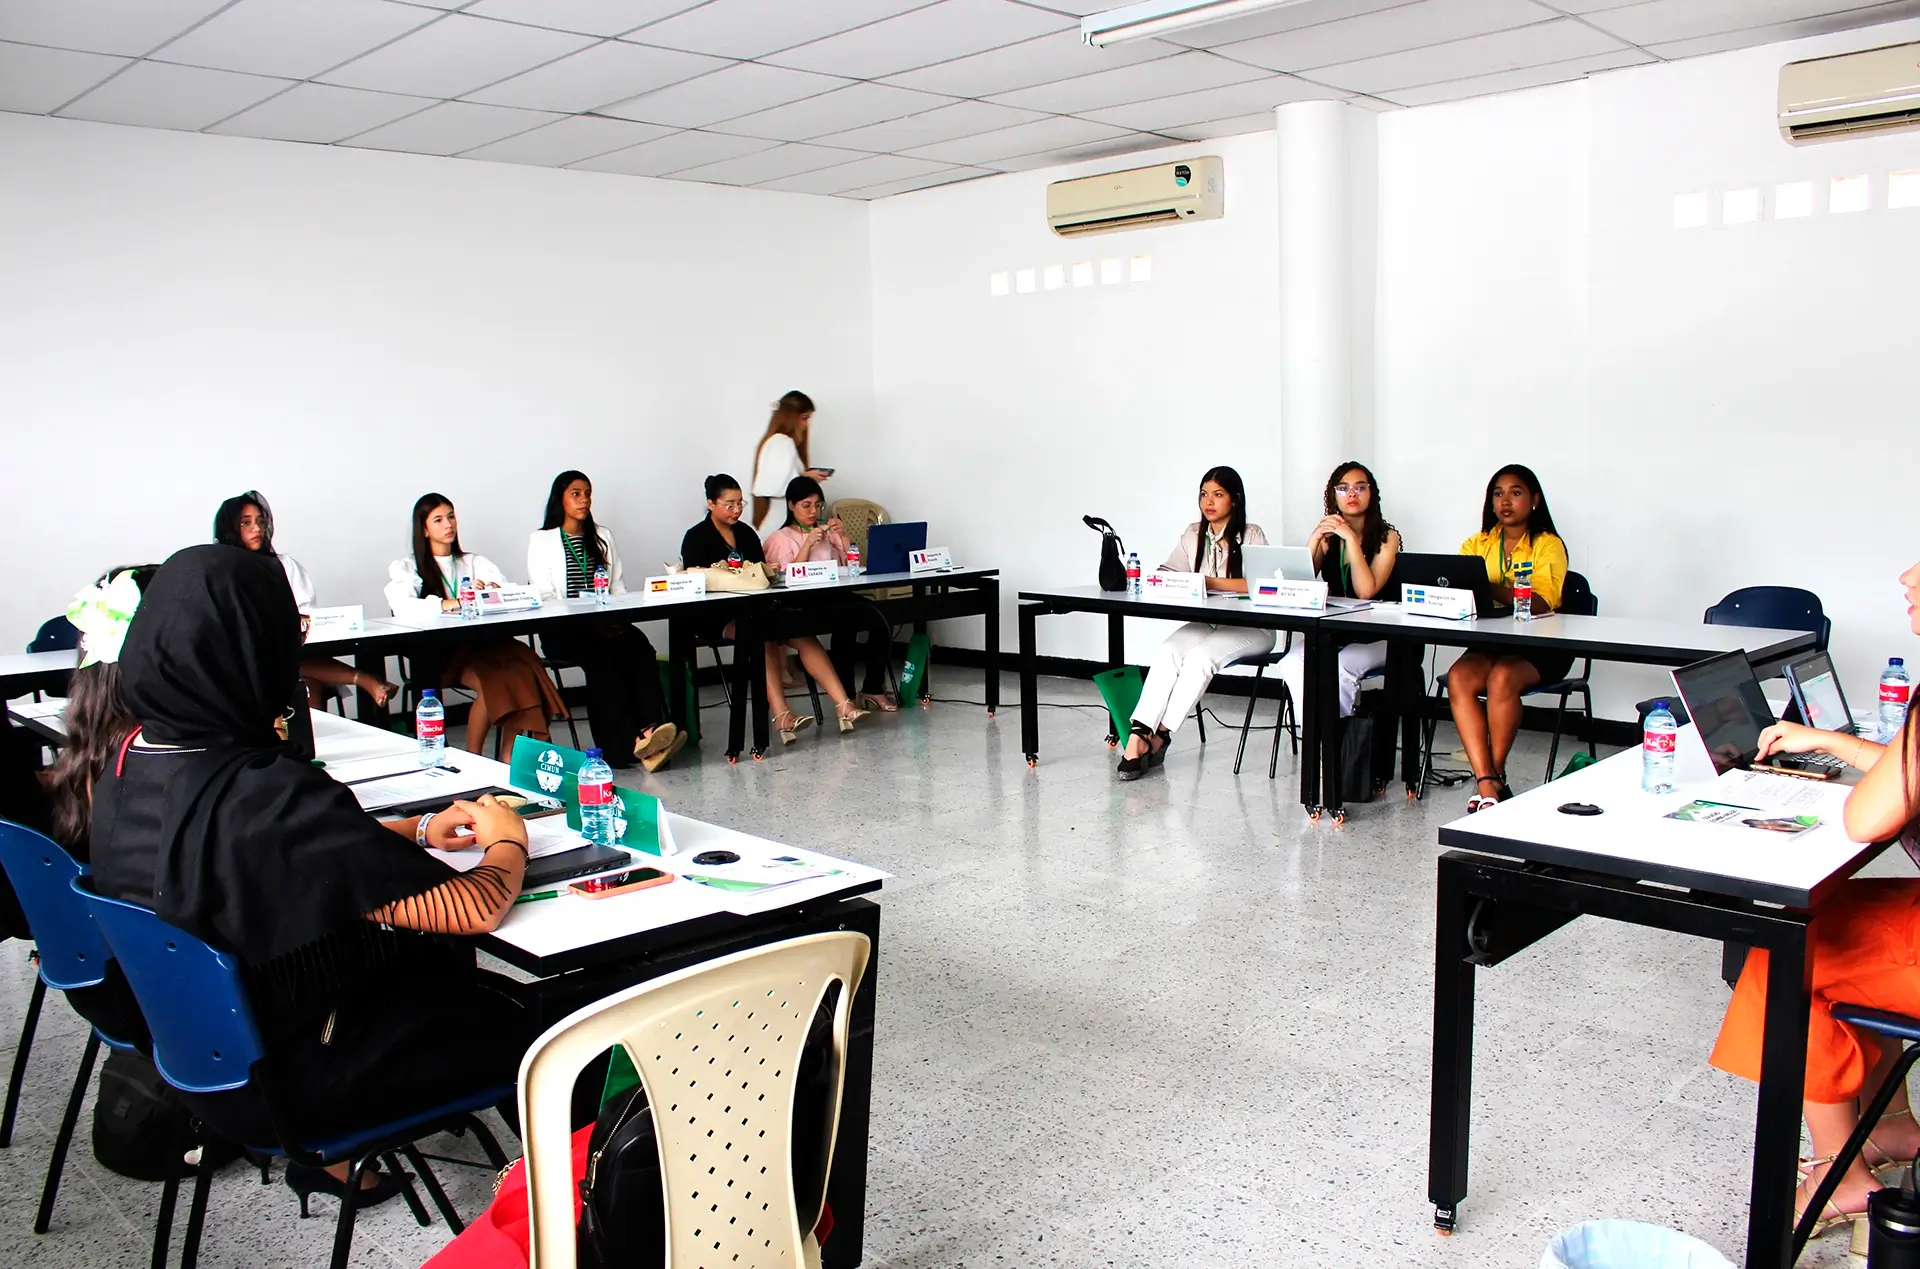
1808, 761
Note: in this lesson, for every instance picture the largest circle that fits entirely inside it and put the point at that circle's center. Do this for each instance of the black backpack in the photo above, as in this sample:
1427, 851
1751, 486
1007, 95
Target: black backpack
622, 1220
1113, 569
141, 1128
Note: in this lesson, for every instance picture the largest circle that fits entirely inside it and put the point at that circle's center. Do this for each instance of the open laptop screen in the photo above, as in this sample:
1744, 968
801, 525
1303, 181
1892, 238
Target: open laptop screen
1817, 691
1728, 708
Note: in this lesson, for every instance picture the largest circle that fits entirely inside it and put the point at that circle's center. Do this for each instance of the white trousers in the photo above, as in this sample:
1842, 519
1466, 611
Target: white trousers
1185, 663
1357, 660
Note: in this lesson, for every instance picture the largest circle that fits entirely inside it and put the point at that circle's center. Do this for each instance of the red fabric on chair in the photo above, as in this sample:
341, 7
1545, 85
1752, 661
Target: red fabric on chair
499, 1238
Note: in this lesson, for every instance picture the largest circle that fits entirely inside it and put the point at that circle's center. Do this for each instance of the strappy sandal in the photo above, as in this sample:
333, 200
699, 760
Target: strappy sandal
655, 761
1157, 746
656, 741
1481, 801
882, 704
1134, 768
846, 713
1888, 1162
790, 725
1833, 1216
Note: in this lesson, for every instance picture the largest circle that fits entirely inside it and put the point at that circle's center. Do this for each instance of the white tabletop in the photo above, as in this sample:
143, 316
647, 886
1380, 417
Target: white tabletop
633, 605
26, 664
551, 927
1218, 606
1633, 839
1607, 638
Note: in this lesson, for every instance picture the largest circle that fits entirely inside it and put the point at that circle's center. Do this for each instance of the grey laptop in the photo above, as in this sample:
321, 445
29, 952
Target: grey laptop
1295, 564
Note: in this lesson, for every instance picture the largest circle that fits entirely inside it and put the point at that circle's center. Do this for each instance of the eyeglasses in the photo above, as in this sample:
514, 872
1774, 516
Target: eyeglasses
1344, 490
731, 505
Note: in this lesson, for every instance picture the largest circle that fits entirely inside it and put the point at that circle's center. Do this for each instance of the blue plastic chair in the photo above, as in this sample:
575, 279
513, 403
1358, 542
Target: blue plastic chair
72, 956
205, 1041
56, 634
1776, 608
1892, 1026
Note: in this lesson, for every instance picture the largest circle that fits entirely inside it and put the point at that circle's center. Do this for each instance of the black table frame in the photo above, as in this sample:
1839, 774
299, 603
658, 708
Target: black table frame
569, 981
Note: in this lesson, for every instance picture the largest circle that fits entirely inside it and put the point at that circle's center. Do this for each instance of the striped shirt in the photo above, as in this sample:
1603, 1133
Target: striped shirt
579, 580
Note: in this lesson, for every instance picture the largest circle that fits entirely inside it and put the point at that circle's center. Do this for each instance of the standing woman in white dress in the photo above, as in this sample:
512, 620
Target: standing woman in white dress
782, 455
246, 521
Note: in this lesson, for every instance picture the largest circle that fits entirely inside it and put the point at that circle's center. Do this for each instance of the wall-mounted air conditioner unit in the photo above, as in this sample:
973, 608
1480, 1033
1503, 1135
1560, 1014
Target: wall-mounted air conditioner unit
1851, 95
1192, 190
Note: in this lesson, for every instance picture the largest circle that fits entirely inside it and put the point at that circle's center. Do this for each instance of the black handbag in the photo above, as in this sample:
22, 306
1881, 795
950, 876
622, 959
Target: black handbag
1113, 569
1367, 748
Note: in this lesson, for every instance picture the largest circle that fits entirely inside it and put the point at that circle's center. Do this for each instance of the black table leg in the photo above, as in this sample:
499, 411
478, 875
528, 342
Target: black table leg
1029, 686
749, 683
1452, 1106
679, 667
1776, 1130
990, 614
1116, 657
1311, 655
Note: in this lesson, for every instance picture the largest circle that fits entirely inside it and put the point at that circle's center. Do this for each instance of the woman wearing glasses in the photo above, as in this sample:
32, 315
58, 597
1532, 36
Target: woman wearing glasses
805, 537
1354, 549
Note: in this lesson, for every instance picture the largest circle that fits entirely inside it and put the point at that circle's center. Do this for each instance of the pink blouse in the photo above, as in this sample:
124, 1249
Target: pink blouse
783, 546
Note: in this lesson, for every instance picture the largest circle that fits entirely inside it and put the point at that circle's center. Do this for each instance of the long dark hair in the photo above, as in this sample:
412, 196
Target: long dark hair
1228, 479
226, 521
556, 518
1373, 525
97, 723
1541, 521
799, 489
433, 585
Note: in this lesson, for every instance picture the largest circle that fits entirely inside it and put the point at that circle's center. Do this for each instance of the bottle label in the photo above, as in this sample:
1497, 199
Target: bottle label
1657, 742
430, 728
595, 794
1895, 693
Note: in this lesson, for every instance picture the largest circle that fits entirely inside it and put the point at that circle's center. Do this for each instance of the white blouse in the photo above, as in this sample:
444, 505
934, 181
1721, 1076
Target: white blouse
779, 463
1212, 561
304, 596
403, 583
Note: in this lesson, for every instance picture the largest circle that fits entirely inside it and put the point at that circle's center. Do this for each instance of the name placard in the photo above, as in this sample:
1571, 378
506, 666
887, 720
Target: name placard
639, 822
1443, 602
812, 572
508, 598
1175, 587
337, 623
676, 586
1272, 592
935, 559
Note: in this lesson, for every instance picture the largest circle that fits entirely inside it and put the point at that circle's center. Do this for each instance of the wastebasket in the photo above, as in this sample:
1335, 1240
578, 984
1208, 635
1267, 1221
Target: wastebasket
1629, 1245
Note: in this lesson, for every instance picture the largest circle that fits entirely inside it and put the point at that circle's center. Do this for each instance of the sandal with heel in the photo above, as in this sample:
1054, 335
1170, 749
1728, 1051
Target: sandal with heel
1134, 768
790, 725
1481, 801
846, 713
1833, 1216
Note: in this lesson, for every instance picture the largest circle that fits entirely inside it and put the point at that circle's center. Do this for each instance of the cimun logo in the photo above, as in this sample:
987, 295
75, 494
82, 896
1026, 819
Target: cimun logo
550, 771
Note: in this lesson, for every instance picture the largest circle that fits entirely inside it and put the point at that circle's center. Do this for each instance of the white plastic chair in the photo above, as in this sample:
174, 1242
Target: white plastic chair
718, 1048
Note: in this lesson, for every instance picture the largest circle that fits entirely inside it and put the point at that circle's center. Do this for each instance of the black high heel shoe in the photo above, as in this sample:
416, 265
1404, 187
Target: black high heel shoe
306, 1182
1134, 768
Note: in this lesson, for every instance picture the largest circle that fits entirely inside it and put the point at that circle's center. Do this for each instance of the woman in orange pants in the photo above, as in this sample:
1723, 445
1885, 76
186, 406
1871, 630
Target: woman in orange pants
1864, 944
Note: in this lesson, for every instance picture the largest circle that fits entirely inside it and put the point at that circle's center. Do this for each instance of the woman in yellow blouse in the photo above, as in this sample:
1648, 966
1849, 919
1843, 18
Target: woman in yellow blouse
1515, 528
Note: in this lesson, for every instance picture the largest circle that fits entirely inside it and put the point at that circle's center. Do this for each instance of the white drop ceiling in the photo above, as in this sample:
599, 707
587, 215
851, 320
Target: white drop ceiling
855, 98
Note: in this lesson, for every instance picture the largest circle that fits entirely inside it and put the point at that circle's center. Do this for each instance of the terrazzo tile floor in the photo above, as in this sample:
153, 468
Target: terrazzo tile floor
1169, 1023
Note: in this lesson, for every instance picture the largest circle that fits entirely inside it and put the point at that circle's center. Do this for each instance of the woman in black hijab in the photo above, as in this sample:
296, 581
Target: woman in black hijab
367, 1009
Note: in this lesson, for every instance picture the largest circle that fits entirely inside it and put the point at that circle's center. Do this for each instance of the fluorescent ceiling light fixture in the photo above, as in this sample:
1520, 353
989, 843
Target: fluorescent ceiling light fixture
1159, 17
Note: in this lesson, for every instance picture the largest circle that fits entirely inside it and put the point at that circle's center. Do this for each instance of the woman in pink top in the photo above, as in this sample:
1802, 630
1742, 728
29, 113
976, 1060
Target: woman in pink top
804, 538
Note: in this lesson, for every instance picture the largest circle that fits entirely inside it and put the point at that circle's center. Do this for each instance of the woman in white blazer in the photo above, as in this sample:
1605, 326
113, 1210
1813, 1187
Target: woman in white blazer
781, 456
624, 707
508, 683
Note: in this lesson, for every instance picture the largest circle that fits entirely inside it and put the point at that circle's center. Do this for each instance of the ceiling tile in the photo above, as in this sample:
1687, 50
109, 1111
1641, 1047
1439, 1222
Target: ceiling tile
846, 108
1130, 146
1028, 138
743, 88
1557, 41
1062, 55
1751, 36
871, 170
1289, 18
673, 153
1509, 81
1181, 73
1214, 103
1240, 125
588, 17
450, 127
1376, 34
133, 27
320, 113
752, 28
607, 72
568, 141
946, 176
1663, 21
764, 165
36, 81
156, 95
455, 56
962, 120
937, 33
293, 38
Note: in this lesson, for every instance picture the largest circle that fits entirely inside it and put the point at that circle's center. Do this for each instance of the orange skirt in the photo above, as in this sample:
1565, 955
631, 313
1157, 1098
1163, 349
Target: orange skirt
507, 677
1862, 943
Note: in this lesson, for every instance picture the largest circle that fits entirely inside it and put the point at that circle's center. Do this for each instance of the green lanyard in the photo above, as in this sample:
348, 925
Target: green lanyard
1346, 573
586, 570
450, 574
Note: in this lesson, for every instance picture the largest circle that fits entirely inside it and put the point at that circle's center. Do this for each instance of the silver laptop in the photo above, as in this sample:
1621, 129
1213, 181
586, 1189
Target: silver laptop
1293, 564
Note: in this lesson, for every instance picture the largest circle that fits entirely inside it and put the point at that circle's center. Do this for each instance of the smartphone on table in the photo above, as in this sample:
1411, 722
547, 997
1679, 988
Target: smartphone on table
619, 883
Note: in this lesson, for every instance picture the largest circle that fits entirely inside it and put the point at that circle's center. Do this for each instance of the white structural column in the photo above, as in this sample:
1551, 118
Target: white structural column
1316, 256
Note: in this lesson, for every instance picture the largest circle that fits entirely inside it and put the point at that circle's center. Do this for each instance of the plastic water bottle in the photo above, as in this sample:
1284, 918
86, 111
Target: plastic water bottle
596, 799
853, 559
430, 726
1656, 749
1895, 689
1523, 609
602, 587
1133, 574
469, 600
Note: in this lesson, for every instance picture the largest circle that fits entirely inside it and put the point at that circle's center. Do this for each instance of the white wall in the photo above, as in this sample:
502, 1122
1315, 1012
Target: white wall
183, 317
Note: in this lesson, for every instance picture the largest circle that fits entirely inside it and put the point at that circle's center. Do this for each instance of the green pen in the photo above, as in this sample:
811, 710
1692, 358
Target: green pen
538, 895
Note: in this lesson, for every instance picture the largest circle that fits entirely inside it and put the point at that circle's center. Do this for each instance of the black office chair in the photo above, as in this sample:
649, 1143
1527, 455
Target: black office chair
56, 634
554, 665
1285, 718
1776, 608
715, 642
1892, 1026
